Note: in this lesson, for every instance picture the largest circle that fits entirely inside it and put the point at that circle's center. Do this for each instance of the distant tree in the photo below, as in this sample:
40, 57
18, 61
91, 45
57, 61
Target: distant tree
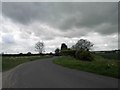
51, 53
57, 52
39, 46
73, 47
29, 53
83, 44
63, 46
20, 53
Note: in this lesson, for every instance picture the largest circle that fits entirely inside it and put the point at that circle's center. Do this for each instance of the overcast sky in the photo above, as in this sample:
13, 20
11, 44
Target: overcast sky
25, 23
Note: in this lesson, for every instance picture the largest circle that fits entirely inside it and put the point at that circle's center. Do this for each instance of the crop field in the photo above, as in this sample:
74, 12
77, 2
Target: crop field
9, 62
109, 55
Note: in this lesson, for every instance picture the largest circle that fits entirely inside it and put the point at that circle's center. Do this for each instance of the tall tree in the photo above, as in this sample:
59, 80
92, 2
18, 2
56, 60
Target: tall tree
83, 44
39, 46
63, 46
57, 52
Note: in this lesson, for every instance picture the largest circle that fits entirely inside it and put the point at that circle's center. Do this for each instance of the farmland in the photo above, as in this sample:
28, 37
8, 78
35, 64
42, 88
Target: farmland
109, 56
9, 62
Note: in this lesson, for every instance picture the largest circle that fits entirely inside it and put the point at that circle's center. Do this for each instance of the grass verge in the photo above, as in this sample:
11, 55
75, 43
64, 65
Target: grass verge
9, 62
100, 65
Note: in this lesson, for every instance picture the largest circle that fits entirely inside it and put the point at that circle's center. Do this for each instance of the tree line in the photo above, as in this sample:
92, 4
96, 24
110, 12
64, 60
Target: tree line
81, 50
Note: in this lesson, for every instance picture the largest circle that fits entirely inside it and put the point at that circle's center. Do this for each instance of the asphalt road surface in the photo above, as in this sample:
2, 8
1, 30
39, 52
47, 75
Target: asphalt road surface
0, 80
45, 74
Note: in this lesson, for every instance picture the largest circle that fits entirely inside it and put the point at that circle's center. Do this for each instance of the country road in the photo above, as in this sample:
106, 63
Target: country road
45, 74
0, 80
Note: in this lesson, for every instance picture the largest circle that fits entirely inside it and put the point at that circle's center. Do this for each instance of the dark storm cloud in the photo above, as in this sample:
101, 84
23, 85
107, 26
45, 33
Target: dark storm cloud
66, 16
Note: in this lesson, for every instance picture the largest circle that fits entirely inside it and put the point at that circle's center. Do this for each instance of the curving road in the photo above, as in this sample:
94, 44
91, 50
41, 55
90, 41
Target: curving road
45, 74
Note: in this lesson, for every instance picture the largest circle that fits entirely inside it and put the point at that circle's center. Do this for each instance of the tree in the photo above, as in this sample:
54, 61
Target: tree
39, 46
63, 46
83, 45
29, 53
20, 53
57, 52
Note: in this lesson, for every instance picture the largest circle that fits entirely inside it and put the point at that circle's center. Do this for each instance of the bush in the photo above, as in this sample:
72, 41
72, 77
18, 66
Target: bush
21, 54
68, 52
81, 55
57, 52
84, 55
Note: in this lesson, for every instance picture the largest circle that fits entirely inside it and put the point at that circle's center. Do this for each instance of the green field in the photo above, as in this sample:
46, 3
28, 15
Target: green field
9, 62
109, 55
100, 65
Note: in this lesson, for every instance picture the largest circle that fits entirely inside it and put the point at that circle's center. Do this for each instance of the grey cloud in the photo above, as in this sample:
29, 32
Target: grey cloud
27, 12
65, 16
106, 28
25, 34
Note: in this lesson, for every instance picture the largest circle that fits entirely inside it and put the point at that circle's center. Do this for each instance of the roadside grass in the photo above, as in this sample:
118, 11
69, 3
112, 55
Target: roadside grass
9, 62
99, 65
